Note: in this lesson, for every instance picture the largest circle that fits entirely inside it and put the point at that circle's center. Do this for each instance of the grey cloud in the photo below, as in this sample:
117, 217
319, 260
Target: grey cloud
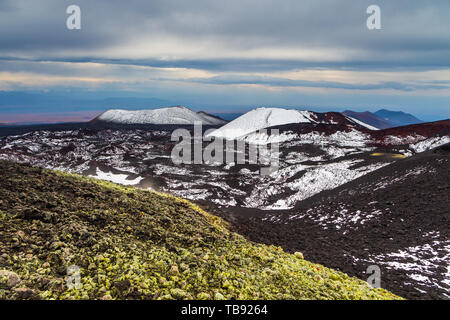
248, 64
415, 33
6, 5
282, 82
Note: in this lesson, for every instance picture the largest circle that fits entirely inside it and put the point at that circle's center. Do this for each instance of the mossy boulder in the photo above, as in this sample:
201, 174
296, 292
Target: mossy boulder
8, 279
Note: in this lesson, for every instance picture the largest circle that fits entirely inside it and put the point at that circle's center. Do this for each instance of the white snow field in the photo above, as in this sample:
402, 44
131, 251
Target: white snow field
170, 115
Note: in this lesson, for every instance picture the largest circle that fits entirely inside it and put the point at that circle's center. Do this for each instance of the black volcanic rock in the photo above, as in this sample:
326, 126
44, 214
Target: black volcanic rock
395, 218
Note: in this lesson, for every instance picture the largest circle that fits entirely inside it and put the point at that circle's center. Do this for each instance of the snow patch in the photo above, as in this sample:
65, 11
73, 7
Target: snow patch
116, 178
429, 144
368, 126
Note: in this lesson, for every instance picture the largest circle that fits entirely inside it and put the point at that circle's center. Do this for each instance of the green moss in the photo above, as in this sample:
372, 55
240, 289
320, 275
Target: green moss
136, 244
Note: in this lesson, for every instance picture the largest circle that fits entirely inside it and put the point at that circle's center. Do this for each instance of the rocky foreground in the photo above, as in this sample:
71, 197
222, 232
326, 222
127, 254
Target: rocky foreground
68, 237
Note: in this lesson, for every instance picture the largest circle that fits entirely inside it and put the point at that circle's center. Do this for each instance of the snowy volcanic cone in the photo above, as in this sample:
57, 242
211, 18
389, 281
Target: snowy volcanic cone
170, 115
261, 118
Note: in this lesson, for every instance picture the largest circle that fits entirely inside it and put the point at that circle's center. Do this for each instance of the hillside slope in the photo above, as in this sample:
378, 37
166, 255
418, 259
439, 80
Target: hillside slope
136, 244
395, 217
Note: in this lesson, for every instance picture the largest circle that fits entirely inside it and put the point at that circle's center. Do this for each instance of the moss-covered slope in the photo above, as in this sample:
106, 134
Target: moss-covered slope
130, 243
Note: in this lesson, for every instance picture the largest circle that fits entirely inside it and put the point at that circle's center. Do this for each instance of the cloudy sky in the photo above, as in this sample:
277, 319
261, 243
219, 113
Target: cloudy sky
222, 56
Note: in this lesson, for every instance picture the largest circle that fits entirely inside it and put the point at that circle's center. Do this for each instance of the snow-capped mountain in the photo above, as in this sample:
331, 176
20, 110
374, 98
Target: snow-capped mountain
262, 118
170, 115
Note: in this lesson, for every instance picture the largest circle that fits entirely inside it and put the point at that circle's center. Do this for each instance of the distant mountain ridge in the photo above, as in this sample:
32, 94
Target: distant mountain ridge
384, 119
370, 118
398, 118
